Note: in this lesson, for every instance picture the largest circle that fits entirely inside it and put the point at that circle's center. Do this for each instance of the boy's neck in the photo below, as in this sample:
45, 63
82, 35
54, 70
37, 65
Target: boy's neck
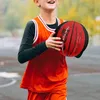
48, 17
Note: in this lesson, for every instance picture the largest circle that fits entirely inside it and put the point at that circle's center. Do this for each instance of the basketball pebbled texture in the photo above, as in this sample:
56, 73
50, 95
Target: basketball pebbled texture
74, 36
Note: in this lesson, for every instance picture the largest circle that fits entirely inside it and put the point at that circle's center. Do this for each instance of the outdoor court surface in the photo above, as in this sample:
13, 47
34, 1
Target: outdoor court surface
83, 82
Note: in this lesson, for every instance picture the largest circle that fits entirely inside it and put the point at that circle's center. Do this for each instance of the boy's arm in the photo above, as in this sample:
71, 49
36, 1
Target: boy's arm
26, 51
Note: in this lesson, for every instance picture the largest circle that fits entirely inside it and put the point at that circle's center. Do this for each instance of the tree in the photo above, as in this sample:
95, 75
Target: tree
3, 9
13, 16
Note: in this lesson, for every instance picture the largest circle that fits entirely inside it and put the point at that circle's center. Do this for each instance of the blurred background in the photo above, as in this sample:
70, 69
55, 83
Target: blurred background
84, 73
14, 14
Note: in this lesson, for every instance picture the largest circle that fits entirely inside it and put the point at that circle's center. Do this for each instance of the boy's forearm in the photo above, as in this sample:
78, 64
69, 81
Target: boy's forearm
28, 53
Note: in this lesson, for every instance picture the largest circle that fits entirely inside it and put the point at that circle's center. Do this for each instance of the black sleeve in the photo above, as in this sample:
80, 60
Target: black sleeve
26, 51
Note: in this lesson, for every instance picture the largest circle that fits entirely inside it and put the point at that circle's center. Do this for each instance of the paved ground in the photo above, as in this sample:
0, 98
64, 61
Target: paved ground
83, 82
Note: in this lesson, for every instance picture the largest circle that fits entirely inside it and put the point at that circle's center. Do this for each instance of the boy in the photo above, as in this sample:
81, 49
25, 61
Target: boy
46, 74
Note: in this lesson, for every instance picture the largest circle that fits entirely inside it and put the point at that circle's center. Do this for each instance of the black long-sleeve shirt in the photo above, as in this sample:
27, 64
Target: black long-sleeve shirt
26, 51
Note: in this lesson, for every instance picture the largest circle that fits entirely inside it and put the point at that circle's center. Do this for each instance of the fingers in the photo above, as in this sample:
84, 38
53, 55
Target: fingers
51, 35
56, 38
58, 49
54, 43
57, 45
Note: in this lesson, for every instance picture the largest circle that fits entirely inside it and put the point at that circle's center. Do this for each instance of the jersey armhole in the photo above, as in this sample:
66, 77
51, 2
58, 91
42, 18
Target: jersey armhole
60, 21
36, 31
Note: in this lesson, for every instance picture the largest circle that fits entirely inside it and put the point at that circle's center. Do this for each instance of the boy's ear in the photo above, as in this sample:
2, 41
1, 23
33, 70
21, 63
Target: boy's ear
37, 2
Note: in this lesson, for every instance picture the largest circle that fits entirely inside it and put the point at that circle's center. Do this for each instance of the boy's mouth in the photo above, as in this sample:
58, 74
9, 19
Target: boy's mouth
51, 2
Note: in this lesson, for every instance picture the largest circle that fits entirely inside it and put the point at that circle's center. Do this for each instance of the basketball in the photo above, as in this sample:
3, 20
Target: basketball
74, 36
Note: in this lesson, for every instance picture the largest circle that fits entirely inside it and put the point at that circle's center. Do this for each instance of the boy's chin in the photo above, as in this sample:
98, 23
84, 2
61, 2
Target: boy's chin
51, 9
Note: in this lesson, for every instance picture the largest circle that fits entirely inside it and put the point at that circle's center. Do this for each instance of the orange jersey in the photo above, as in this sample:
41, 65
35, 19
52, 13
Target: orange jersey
47, 70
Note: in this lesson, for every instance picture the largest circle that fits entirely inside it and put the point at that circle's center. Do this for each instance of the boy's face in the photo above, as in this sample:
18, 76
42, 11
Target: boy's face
47, 4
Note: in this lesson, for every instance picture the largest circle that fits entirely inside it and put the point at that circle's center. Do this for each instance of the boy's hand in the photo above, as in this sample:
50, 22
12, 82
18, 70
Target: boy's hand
54, 42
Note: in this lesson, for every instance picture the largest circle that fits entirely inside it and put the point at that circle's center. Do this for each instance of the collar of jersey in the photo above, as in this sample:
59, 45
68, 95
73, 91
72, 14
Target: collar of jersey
46, 26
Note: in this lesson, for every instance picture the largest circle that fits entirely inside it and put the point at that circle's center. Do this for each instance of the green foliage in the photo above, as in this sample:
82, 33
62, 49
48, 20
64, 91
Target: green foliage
12, 21
13, 16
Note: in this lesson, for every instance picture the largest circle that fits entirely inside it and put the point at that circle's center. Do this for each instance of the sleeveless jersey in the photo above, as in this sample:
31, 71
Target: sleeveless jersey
47, 70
